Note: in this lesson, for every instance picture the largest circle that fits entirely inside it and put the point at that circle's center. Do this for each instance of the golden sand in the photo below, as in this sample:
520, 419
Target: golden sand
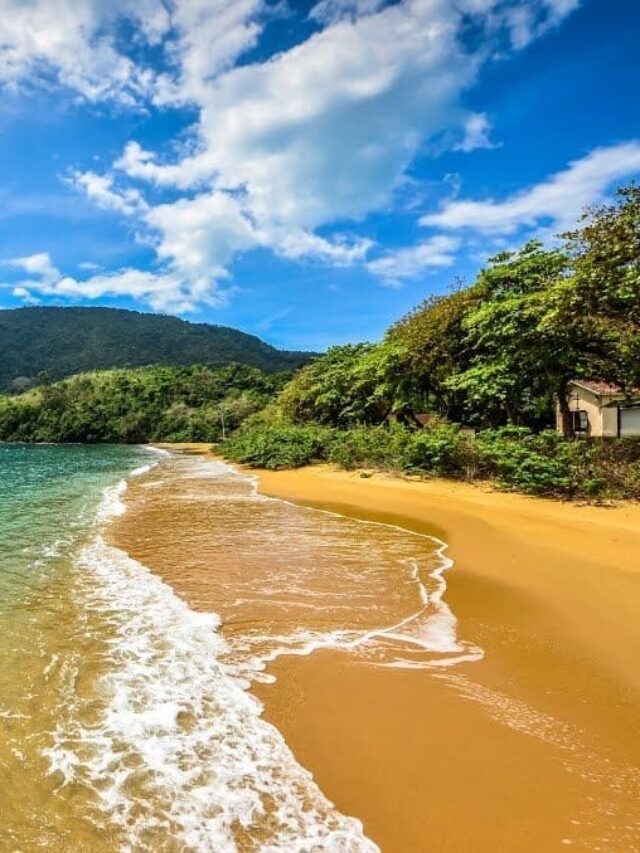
534, 748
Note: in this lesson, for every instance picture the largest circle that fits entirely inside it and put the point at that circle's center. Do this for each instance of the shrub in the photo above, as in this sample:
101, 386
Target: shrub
440, 449
543, 464
369, 447
514, 457
277, 446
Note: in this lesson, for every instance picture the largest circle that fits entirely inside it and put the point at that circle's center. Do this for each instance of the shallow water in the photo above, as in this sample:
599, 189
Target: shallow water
51, 650
125, 718
286, 579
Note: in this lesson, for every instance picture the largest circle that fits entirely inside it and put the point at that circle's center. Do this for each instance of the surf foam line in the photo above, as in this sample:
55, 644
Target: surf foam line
432, 628
179, 752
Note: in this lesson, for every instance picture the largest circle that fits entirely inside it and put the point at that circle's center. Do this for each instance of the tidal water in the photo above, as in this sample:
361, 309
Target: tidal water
126, 718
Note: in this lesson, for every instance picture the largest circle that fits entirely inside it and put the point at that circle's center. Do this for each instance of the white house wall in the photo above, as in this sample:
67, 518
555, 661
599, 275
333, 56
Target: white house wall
630, 421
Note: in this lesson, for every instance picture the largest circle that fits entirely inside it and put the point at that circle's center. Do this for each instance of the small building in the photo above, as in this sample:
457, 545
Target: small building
423, 419
600, 409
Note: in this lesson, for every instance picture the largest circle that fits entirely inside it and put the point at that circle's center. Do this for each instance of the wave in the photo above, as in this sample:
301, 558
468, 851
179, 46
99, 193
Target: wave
179, 751
426, 638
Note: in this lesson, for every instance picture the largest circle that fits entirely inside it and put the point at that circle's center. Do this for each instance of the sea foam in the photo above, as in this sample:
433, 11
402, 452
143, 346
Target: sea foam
179, 754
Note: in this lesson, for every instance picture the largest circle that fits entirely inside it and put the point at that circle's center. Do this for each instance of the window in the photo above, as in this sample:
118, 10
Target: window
580, 421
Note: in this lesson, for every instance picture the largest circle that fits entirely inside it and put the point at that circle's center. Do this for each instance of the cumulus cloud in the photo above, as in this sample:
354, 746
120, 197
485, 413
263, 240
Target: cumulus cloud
554, 203
207, 36
329, 11
76, 43
528, 21
100, 189
411, 262
38, 265
199, 236
326, 129
164, 291
283, 148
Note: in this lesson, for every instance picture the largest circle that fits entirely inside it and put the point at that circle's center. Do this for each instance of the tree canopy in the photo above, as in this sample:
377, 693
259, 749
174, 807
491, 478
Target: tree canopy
502, 350
145, 404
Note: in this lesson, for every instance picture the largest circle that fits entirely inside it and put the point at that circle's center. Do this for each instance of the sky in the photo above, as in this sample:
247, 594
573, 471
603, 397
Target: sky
305, 170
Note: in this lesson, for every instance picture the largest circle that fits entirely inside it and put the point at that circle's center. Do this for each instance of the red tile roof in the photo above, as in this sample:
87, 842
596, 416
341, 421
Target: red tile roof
423, 419
603, 389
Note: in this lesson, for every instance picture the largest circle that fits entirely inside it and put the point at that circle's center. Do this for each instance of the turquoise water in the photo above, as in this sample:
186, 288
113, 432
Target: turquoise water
48, 500
50, 648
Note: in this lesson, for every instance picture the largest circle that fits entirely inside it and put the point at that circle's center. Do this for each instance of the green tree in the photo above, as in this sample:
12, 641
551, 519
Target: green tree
432, 345
151, 403
521, 356
353, 384
602, 301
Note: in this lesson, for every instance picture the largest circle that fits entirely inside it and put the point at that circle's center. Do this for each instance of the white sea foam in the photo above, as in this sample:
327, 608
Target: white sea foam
180, 750
143, 469
151, 448
431, 629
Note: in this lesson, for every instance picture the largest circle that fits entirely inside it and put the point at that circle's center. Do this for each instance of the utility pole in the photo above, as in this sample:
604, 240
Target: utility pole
224, 432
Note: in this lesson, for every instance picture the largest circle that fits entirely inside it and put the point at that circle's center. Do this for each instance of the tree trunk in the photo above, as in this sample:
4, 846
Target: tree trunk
565, 411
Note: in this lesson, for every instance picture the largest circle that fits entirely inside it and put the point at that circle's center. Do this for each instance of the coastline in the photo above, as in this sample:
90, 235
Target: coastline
535, 746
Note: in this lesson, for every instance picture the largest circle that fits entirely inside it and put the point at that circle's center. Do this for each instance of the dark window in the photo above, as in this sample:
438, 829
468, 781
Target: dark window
580, 421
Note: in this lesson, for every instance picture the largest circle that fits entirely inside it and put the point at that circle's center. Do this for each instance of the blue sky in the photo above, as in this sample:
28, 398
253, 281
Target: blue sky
307, 171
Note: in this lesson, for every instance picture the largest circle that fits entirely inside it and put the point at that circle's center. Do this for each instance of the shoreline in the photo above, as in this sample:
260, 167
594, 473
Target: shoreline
535, 746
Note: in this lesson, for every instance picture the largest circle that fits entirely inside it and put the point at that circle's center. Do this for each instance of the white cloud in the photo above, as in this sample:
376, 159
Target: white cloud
406, 263
555, 202
329, 11
297, 243
200, 236
39, 265
282, 149
528, 21
209, 36
326, 129
476, 133
321, 133
76, 43
164, 291
100, 189
25, 295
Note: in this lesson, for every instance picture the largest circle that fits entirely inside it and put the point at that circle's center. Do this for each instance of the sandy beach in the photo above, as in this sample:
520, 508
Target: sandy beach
535, 747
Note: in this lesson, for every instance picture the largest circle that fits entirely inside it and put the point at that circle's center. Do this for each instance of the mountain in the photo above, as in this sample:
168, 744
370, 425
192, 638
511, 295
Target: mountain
64, 341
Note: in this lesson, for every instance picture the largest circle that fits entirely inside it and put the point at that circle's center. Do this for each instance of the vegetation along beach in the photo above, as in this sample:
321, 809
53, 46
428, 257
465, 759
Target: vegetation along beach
319, 426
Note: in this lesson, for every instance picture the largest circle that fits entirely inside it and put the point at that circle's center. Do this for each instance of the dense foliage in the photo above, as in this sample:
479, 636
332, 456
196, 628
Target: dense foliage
132, 406
64, 341
493, 357
503, 350
515, 458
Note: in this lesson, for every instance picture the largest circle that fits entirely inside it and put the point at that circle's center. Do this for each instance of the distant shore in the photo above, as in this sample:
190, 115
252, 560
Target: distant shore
526, 750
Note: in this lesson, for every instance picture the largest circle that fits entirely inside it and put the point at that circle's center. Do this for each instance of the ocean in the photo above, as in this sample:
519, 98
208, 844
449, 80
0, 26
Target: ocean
127, 720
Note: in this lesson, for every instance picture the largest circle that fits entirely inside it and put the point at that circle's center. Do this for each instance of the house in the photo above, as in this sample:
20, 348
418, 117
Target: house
423, 419
601, 409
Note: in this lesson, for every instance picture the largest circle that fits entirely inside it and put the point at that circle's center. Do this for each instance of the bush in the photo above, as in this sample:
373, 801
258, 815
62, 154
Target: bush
440, 449
369, 447
542, 464
277, 446
514, 457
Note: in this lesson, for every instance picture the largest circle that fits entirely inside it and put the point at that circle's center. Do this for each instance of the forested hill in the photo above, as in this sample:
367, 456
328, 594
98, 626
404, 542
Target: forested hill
64, 341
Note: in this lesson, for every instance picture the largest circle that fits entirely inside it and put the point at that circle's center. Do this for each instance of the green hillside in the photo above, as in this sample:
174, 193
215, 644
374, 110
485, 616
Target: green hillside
137, 405
65, 341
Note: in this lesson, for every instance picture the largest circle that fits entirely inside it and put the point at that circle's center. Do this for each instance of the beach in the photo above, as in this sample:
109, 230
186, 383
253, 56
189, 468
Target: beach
527, 739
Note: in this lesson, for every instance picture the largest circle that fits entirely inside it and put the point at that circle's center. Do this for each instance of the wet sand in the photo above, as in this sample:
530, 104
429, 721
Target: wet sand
534, 748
